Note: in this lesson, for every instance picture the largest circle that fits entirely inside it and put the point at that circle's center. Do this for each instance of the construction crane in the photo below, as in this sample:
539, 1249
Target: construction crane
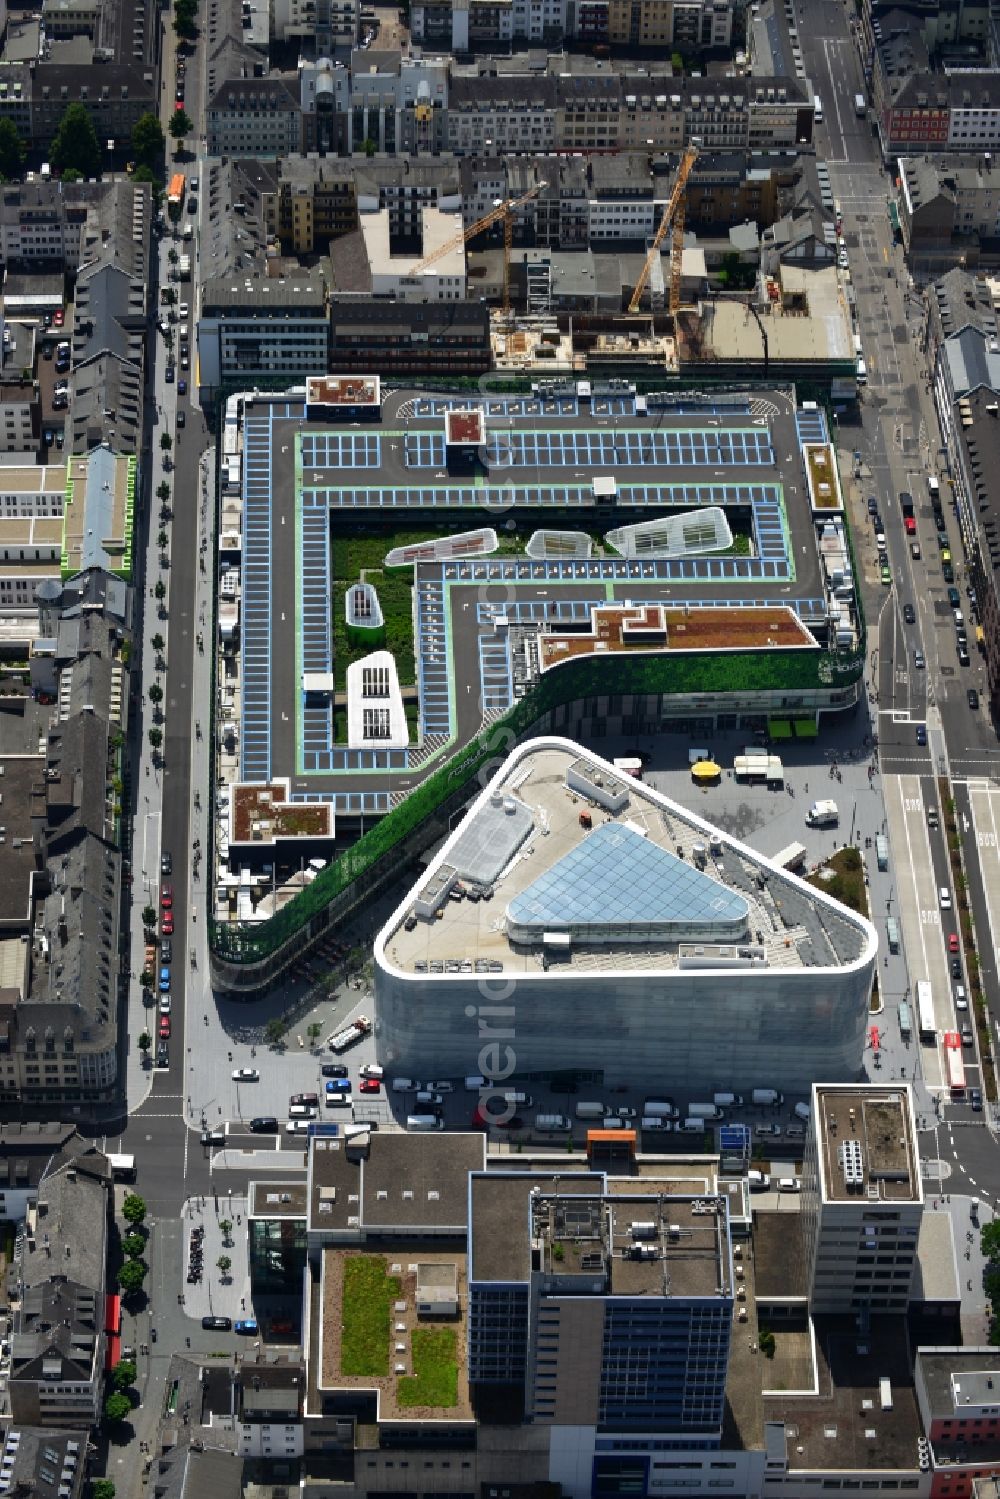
673, 214
503, 210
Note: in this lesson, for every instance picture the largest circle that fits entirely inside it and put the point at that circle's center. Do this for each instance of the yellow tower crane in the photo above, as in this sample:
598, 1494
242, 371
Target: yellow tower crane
673, 214
503, 210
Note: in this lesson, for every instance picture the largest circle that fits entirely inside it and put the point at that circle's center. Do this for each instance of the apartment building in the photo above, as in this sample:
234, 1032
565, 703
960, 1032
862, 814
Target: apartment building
686, 25
444, 338
862, 1198
592, 111
270, 1399
403, 275
255, 117
397, 104
26, 1151
949, 208
58, 1278
330, 27
32, 1459
116, 94
20, 416
261, 327
464, 25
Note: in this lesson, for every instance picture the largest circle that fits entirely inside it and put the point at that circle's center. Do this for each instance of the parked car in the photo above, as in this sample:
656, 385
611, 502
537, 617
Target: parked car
246, 1075
217, 1324
370, 1085
312, 1098
263, 1124
336, 1069
166, 862
164, 1028
972, 698
162, 1054
167, 924
164, 980
246, 1327
953, 942
165, 1004
909, 614
297, 1127
166, 897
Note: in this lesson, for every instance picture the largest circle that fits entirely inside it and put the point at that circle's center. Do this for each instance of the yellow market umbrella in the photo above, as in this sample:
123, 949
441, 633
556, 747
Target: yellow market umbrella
706, 770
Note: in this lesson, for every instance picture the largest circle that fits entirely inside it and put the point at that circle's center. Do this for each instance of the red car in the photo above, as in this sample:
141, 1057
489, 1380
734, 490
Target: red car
167, 927
369, 1085
910, 524
58, 319
164, 1027
166, 897
953, 942
179, 104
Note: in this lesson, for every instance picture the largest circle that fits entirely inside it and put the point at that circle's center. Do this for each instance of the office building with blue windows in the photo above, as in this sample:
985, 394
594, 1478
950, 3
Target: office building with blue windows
610, 1304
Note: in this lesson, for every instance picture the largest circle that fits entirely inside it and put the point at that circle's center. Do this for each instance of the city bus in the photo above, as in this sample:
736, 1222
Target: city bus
926, 1024
954, 1066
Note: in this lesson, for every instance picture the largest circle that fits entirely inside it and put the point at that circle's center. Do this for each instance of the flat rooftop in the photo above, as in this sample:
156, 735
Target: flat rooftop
844, 1426
578, 457
501, 1218
641, 1245
653, 628
867, 1144
397, 1183
406, 1263
343, 390
557, 880
275, 1199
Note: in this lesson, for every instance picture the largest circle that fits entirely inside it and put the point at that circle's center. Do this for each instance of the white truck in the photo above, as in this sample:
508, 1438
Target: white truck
592, 1110
551, 1123
860, 107
659, 1108
767, 1095
727, 1100
354, 1032
823, 814
704, 1111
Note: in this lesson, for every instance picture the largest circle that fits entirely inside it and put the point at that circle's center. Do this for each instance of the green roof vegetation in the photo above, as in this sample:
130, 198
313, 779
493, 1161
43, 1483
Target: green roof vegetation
367, 1315
434, 1381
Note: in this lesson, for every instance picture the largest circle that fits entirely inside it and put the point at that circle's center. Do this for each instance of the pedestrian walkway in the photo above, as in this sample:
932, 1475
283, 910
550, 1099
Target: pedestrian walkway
221, 1291
917, 908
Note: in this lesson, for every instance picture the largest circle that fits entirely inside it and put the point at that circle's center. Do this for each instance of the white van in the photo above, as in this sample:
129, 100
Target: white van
857, 345
862, 370
655, 1121
424, 1122
519, 1100
818, 109
802, 1112
404, 1085
305, 1110
475, 1084
611, 1121
693, 1126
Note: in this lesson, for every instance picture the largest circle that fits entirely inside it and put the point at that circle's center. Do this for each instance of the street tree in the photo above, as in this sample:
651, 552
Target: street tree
134, 1208
148, 143
155, 737
161, 538
163, 491
180, 124
274, 1030
123, 1374
75, 147
160, 590
131, 1275
156, 693
102, 1488
166, 442
12, 150
149, 916
145, 1040
133, 1245
314, 1030
989, 1239
157, 642
225, 1264
117, 1407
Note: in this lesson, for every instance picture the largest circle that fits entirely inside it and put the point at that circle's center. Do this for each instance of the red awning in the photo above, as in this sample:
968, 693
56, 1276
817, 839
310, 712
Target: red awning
113, 1350
112, 1314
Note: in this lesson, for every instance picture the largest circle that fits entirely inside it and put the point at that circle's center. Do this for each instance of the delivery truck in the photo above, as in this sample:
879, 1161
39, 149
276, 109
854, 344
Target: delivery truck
823, 814
767, 1095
